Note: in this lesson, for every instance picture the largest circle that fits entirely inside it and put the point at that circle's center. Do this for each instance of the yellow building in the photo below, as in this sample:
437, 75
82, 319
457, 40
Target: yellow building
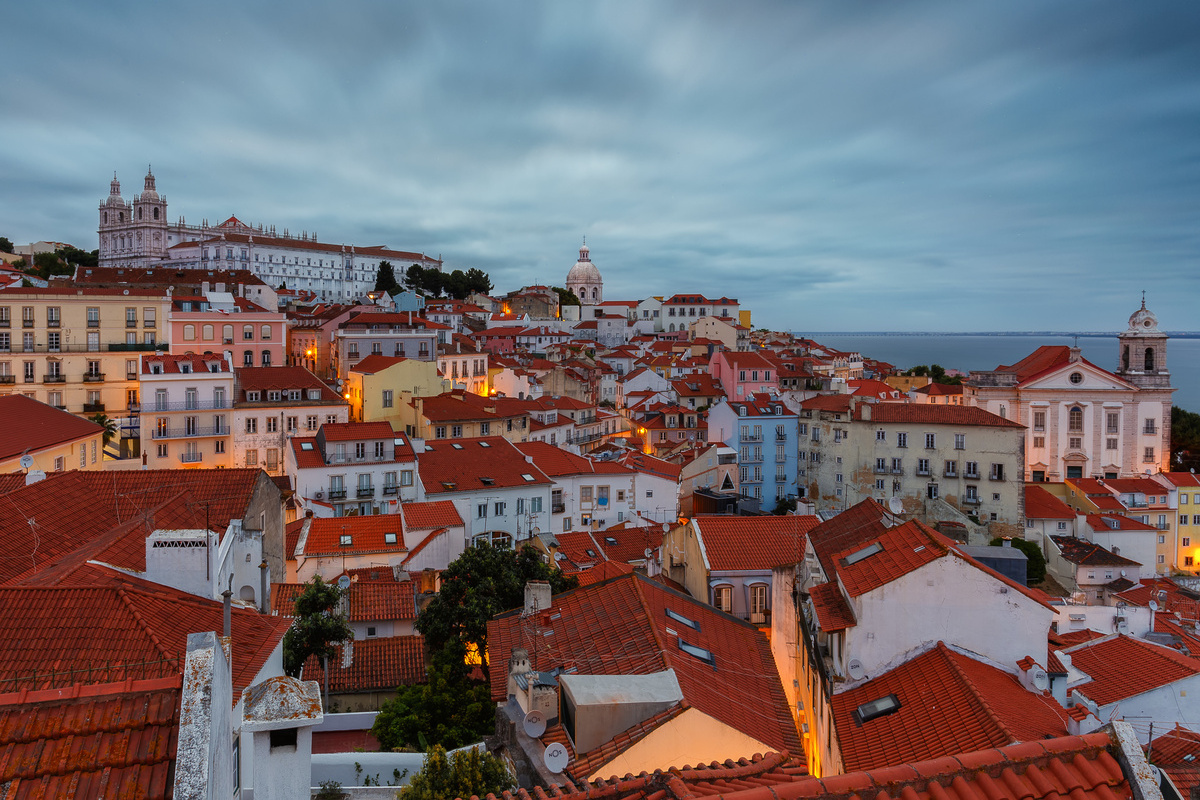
379, 388
46, 438
78, 349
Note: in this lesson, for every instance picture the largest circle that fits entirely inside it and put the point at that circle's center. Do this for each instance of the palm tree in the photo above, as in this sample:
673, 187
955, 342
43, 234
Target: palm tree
109, 424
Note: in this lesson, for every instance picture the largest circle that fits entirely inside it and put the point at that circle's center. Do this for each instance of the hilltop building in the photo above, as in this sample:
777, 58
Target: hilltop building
584, 279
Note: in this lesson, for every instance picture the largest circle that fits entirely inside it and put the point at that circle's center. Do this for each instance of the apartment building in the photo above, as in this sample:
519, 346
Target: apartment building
246, 334
187, 409
273, 404
385, 334
78, 349
763, 431
355, 468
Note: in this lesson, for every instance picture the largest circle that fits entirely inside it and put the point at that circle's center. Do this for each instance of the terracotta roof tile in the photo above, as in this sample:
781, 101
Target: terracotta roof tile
42, 426
1084, 553
369, 601
376, 665
356, 431
745, 543
264, 379
459, 465
376, 362
927, 414
111, 740
833, 612
1122, 667
903, 549
949, 703
430, 514
378, 533
1040, 504
602, 572
1177, 752
1169, 595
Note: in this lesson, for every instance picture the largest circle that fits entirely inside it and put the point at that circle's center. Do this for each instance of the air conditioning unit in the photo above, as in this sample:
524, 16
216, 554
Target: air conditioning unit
318, 495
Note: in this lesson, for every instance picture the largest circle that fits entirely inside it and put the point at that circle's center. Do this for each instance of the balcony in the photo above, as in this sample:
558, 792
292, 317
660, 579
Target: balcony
8, 379
26, 323
137, 347
54, 378
390, 490
996, 476
130, 323
924, 473
5, 323
93, 323
971, 476
337, 494
187, 405
970, 501
751, 437
881, 470
557, 508
365, 491
897, 470
1150, 430
53, 323
93, 377
93, 408
780, 478
193, 433
949, 474
191, 458
336, 459
781, 437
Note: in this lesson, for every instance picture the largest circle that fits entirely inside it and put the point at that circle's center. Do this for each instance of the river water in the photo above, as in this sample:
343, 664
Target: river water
980, 351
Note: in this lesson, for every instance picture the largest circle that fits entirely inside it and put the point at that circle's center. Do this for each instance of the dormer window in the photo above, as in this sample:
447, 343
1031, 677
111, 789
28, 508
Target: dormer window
274, 395
185, 368
252, 396
314, 394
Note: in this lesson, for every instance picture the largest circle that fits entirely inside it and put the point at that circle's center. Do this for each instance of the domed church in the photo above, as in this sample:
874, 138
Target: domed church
584, 279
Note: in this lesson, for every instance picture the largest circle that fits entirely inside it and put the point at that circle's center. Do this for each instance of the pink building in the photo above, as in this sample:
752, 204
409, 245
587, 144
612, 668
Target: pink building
245, 334
743, 374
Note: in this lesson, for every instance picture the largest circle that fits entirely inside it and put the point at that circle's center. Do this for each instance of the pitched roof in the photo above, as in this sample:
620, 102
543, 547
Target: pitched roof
376, 362
1177, 752
1045, 359
375, 665
827, 402
833, 612
949, 703
619, 627
367, 600
356, 431
109, 626
106, 740
1040, 504
1170, 595
602, 572
462, 465
859, 524
901, 550
927, 414
1122, 667
377, 533
265, 379
753, 543
41, 427
430, 514
1087, 554
1080, 767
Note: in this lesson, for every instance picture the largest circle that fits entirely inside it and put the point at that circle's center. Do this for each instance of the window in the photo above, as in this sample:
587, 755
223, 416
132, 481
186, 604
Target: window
922, 466
162, 451
880, 484
248, 358
972, 469
897, 465
1150, 427
272, 425
1112, 422
758, 599
930, 441
310, 422
266, 332
901, 440
1075, 420
1186, 541
148, 317
219, 446
439, 432
387, 398
1110, 444
1148, 456
723, 598
1075, 443
251, 425
248, 332
499, 509
997, 473
360, 450
456, 431
1039, 421
292, 424
189, 333
481, 511
960, 441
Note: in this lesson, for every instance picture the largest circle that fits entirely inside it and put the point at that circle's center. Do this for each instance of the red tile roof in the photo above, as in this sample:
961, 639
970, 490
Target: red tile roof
905, 548
1084, 553
462, 465
602, 572
1177, 752
1122, 667
368, 601
833, 612
1170, 595
1101, 522
356, 431
827, 402
430, 515
376, 665
858, 525
927, 414
172, 364
367, 535
1080, 767
1040, 504
376, 362
1045, 359
753, 543
619, 627
264, 379
41, 426
949, 703
108, 626
115, 740
555, 462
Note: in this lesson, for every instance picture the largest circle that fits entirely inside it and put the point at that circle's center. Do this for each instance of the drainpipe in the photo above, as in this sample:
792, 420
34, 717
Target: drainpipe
264, 572
228, 613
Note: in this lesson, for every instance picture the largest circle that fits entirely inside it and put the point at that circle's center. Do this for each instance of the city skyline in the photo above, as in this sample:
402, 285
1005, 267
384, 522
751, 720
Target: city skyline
925, 167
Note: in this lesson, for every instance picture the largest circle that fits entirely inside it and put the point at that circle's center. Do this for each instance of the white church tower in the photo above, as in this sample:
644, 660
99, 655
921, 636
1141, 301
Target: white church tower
584, 279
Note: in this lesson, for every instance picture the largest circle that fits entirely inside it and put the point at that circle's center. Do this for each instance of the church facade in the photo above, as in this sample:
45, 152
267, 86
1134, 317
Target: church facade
584, 281
137, 234
1081, 420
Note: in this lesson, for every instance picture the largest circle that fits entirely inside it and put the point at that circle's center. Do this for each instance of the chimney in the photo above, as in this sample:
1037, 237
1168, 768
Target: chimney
204, 287
865, 412
1076, 354
518, 664
1006, 542
1081, 721
264, 585
227, 616
537, 597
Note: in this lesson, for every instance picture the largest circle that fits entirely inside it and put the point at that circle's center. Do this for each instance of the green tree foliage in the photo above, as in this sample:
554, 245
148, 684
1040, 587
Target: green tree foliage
786, 505
108, 423
466, 773
6, 246
1185, 440
449, 709
565, 296
317, 628
937, 373
1035, 567
479, 584
456, 284
385, 279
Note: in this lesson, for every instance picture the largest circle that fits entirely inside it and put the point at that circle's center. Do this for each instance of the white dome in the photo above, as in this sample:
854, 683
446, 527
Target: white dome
1143, 321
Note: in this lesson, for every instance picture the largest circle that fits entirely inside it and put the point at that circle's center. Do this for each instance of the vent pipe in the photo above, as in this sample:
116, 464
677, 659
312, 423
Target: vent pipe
228, 612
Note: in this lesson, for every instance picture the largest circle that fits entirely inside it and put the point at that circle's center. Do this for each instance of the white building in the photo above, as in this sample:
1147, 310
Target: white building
353, 468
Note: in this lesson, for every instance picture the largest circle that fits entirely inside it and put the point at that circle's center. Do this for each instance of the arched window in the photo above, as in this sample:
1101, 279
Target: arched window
156, 213
208, 333
1149, 359
227, 334
266, 331
266, 358
140, 214
1125, 358
189, 332
248, 358
1075, 420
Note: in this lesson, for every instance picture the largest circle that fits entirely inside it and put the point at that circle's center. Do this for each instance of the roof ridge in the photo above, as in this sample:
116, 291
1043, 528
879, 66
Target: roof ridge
128, 603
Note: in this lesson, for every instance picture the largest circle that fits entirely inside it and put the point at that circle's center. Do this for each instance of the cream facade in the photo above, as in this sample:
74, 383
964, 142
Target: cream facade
187, 410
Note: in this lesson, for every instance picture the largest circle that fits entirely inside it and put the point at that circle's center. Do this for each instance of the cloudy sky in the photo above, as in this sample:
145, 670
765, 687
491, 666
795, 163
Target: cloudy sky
835, 166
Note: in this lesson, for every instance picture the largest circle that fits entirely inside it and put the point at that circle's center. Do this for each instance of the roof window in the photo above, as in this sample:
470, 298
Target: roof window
682, 620
306, 446
484, 444
876, 708
866, 552
345, 540
398, 442
488, 481
457, 446
389, 538
698, 652
527, 476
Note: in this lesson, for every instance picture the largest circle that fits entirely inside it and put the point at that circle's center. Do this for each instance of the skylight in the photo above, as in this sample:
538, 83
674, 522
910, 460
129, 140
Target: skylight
698, 652
457, 446
306, 445
877, 708
484, 444
866, 552
488, 481
345, 539
389, 538
682, 620
398, 442
528, 477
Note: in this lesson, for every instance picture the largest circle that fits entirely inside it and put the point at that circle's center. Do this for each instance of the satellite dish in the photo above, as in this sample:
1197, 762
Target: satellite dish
648, 552
535, 724
856, 669
1122, 573
1154, 605
1041, 680
555, 758
26, 461
895, 505
344, 582
666, 527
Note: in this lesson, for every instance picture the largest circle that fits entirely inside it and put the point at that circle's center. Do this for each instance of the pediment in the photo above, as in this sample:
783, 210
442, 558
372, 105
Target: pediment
1090, 379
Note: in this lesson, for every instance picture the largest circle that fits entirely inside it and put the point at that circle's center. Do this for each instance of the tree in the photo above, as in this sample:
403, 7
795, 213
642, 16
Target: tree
449, 709
6, 246
1185, 439
476, 586
786, 505
467, 773
385, 279
565, 296
478, 281
108, 423
317, 628
1035, 567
